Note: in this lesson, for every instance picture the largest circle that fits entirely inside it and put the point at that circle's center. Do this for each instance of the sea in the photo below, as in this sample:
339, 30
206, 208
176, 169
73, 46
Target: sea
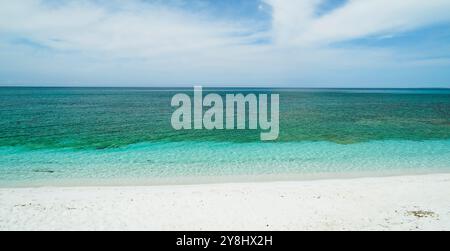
123, 136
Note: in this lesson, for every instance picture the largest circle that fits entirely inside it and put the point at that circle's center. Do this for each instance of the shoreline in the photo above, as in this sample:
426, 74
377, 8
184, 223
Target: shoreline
217, 180
160, 163
418, 202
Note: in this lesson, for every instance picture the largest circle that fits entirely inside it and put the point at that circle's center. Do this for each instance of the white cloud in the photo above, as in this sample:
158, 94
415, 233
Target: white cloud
136, 28
143, 42
291, 18
296, 24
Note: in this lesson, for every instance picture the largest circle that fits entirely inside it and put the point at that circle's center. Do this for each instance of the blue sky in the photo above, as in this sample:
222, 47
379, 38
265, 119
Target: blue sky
305, 43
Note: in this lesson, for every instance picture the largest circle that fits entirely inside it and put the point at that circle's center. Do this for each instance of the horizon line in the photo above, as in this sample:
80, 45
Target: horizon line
217, 86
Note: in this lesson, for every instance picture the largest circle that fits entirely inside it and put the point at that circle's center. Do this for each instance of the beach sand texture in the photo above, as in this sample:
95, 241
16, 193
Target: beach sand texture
419, 202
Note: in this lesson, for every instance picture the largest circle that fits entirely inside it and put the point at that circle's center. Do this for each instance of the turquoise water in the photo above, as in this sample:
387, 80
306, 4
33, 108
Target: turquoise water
76, 136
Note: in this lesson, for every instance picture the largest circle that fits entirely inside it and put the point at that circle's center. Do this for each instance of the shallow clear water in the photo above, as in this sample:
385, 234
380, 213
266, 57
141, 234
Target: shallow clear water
88, 136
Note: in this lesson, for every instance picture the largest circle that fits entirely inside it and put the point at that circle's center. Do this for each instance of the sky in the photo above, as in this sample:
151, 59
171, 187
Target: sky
280, 43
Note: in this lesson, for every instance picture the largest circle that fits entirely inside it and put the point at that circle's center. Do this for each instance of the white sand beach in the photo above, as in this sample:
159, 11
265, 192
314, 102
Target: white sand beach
419, 202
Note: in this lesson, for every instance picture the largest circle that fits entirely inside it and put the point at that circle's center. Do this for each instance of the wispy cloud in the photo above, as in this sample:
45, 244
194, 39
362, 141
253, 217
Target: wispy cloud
133, 28
247, 42
296, 22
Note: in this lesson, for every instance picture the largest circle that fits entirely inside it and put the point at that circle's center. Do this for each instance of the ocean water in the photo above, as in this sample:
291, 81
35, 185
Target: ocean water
84, 136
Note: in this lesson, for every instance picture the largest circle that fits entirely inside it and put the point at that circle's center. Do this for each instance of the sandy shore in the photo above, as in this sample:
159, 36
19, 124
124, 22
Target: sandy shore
387, 203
